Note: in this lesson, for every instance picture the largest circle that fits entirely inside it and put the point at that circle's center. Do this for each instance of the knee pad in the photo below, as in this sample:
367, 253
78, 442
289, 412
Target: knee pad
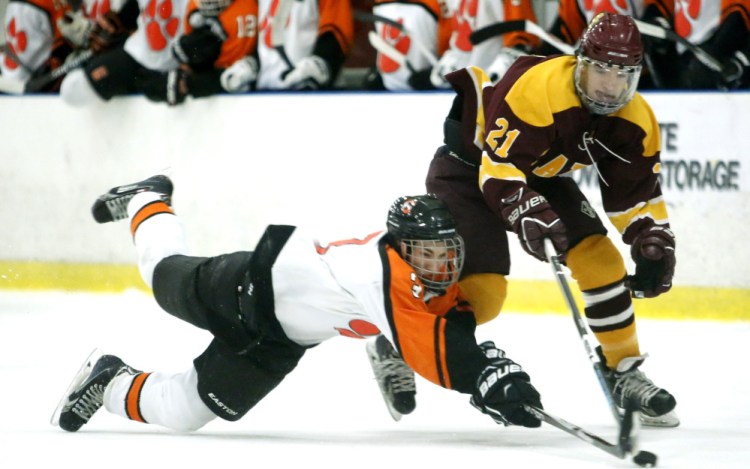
486, 293
76, 90
595, 262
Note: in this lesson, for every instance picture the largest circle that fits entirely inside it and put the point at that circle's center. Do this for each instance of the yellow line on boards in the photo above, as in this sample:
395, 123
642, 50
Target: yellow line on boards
528, 296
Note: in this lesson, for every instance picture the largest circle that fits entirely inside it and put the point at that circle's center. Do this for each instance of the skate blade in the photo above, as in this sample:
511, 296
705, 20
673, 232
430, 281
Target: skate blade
83, 373
372, 356
668, 420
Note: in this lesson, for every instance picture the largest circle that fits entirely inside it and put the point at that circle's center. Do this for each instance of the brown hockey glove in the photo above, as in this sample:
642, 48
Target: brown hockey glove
530, 216
502, 390
108, 32
653, 251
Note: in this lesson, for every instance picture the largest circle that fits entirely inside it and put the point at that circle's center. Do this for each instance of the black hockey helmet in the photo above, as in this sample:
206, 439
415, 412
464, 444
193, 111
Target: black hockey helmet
423, 231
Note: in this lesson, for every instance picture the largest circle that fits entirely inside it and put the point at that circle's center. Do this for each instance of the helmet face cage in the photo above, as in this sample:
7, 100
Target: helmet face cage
423, 231
212, 7
605, 88
437, 262
609, 63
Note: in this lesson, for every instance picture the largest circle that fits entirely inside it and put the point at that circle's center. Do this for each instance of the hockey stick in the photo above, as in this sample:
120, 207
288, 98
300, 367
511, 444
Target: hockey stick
382, 46
278, 27
704, 57
373, 18
626, 423
496, 29
33, 85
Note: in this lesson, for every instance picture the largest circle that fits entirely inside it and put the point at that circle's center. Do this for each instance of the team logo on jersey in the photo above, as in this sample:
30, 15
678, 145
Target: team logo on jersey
359, 329
587, 209
17, 42
161, 26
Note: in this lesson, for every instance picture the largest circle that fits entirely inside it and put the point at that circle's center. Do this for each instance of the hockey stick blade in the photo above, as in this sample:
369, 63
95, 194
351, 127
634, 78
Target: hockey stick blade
578, 432
503, 27
622, 450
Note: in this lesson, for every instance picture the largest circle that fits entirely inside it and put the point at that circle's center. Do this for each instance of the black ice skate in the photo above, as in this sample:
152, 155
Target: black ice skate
394, 377
85, 395
629, 384
113, 205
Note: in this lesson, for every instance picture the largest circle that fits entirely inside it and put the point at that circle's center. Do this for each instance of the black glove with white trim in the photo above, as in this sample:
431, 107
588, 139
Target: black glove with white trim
503, 388
530, 216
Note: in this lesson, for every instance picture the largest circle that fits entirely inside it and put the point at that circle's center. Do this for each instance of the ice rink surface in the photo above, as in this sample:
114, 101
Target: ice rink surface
329, 413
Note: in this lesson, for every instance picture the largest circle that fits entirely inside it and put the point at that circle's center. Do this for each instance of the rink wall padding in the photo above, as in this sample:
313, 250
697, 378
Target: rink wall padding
333, 163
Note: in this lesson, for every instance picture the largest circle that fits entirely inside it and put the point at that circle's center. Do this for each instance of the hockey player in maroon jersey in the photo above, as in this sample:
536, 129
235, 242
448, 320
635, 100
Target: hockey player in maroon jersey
508, 150
265, 308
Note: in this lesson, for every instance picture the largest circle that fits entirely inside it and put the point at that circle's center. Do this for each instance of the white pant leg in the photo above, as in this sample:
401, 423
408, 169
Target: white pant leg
155, 238
165, 399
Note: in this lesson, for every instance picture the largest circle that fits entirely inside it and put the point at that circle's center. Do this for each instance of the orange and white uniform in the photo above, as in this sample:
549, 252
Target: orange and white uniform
697, 21
427, 27
160, 24
240, 24
31, 36
266, 307
314, 27
475, 14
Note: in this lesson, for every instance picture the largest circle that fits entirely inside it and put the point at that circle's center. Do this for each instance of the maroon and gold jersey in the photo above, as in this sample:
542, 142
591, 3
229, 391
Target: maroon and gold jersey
532, 124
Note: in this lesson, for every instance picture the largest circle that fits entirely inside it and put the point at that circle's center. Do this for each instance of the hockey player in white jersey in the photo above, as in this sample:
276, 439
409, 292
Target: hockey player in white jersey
303, 43
265, 308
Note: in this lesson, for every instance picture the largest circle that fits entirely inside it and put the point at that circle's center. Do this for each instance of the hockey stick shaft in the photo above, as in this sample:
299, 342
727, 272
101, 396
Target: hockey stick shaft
373, 18
497, 29
576, 431
588, 343
656, 31
33, 85
382, 46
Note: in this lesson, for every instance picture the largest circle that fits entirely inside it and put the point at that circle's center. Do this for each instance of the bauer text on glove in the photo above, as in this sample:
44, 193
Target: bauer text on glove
530, 216
503, 389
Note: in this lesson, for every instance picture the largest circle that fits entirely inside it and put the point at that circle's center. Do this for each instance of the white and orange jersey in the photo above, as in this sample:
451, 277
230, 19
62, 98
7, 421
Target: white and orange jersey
474, 14
240, 23
307, 20
94, 9
361, 288
427, 26
160, 24
575, 15
31, 35
697, 21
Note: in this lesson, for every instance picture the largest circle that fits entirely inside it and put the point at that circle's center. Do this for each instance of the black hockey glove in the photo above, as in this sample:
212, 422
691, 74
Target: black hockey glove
653, 252
503, 388
530, 216
202, 46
